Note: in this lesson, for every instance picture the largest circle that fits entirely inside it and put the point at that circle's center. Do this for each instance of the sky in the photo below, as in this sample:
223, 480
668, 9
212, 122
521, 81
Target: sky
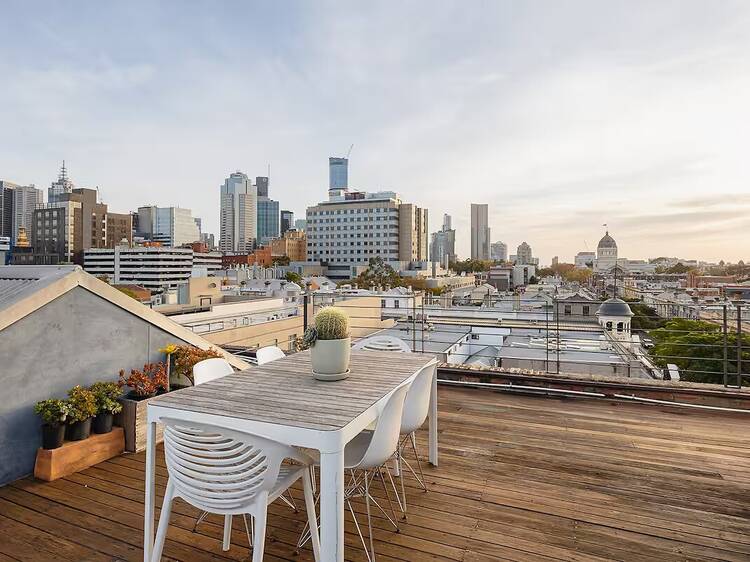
562, 116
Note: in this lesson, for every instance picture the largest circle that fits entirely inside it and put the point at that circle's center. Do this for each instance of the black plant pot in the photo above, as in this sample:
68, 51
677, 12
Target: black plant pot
52, 436
102, 423
77, 431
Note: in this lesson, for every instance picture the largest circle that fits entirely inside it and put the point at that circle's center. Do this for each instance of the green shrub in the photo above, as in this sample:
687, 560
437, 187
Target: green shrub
106, 395
82, 404
331, 323
53, 411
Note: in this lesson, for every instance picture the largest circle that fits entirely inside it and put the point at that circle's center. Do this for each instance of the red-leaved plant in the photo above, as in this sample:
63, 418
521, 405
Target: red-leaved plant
147, 382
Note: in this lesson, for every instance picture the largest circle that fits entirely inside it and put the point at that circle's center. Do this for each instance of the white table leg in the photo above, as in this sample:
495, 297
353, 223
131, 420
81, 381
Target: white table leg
434, 421
332, 506
148, 522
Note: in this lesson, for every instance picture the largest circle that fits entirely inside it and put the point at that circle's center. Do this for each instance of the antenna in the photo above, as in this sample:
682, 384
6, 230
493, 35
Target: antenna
349, 151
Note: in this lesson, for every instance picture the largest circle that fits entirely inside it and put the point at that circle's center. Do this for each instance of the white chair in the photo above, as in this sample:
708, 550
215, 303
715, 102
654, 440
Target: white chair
211, 369
416, 408
382, 343
267, 354
229, 473
365, 456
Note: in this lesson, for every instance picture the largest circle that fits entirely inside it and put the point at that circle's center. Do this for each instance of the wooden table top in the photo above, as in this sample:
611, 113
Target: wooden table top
284, 391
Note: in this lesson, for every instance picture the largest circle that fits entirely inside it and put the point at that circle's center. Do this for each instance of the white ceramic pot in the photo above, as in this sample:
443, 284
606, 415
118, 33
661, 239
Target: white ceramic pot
331, 357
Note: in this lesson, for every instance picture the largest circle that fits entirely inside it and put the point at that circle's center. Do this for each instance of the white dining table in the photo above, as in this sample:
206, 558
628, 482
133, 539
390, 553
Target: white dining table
282, 401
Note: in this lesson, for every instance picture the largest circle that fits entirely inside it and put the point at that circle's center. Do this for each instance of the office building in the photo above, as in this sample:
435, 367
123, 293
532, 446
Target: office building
443, 244
300, 224
60, 187
293, 244
209, 240
499, 251
6, 208
338, 173
287, 221
268, 219
524, 255
119, 229
480, 232
350, 228
25, 199
171, 226
261, 185
238, 214
154, 267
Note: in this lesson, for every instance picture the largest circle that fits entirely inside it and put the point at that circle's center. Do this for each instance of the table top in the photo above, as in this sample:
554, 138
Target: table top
285, 392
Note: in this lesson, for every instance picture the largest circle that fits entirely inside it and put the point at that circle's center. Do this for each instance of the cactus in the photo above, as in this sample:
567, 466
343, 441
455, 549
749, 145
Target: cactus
332, 323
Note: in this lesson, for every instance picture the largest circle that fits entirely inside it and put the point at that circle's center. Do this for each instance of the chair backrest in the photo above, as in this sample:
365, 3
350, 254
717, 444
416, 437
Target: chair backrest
385, 437
210, 369
217, 469
382, 343
268, 354
417, 403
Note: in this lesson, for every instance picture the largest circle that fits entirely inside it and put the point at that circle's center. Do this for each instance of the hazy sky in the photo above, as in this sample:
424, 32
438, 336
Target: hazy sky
561, 115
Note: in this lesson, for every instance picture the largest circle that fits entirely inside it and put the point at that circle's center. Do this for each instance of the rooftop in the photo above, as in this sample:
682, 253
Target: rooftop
520, 478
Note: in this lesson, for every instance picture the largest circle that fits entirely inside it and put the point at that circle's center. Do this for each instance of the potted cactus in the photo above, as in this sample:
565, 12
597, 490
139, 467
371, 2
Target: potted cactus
54, 414
106, 394
82, 409
330, 344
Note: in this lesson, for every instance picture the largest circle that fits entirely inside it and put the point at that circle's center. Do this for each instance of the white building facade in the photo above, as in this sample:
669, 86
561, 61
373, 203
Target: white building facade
238, 217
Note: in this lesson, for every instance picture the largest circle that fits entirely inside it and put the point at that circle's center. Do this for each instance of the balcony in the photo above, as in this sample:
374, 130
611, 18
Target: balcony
520, 478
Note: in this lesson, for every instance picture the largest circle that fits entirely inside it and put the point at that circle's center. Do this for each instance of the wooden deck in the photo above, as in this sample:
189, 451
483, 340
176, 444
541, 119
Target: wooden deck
521, 478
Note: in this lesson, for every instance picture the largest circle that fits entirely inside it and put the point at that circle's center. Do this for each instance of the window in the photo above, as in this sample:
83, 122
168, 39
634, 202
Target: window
382, 303
396, 304
568, 310
609, 326
586, 310
619, 327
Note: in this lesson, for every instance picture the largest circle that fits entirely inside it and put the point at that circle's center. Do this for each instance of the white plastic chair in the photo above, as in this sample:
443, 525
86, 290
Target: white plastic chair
267, 354
416, 408
230, 473
367, 453
382, 343
211, 369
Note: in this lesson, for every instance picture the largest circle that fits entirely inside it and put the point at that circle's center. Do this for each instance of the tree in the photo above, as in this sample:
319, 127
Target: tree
378, 274
533, 280
678, 268
697, 348
293, 277
644, 317
470, 266
546, 272
280, 260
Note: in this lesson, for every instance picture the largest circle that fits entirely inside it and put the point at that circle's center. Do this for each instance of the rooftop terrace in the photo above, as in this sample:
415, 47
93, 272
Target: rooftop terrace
520, 478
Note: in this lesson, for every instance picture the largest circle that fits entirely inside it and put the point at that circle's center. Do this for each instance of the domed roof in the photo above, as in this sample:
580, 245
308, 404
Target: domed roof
614, 307
607, 242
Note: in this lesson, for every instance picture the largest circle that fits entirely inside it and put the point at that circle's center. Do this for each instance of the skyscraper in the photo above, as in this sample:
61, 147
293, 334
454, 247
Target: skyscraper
287, 221
499, 251
268, 220
523, 254
480, 232
25, 200
172, 226
443, 245
6, 208
261, 183
338, 173
59, 187
238, 215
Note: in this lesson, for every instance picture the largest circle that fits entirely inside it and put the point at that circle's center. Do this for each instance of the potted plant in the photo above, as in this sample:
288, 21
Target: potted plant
144, 384
181, 360
106, 395
54, 414
330, 343
82, 409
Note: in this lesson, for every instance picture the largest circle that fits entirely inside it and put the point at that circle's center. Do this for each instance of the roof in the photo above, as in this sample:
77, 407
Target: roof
614, 307
25, 289
607, 242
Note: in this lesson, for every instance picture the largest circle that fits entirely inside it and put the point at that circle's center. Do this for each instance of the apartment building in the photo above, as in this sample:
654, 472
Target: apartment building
292, 244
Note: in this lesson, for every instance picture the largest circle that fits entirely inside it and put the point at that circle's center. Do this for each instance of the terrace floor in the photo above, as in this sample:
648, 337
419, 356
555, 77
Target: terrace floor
520, 478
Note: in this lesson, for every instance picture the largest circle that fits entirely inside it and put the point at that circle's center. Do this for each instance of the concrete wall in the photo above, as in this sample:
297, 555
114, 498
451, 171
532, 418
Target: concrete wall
78, 338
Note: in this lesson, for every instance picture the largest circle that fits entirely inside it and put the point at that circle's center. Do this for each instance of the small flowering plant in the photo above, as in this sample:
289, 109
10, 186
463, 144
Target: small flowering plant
53, 411
184, 357
146, 382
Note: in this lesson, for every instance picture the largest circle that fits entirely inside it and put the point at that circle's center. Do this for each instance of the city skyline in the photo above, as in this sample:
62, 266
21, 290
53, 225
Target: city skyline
602, 114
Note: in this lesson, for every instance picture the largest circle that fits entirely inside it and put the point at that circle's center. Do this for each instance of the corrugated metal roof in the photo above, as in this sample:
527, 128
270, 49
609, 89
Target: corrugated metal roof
19, 281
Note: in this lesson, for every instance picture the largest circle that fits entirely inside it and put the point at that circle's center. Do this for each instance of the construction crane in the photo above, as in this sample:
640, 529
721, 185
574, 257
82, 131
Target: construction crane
349, 151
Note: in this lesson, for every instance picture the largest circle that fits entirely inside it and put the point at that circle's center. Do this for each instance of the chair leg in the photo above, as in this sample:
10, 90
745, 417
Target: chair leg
369, 517
259, 534
161, 533
227, 532
403, 489
421, 479
200, 520
388, 495
312, 520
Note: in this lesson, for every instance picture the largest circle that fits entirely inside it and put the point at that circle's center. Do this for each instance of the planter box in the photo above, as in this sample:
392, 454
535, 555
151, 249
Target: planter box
73, 456
133, 421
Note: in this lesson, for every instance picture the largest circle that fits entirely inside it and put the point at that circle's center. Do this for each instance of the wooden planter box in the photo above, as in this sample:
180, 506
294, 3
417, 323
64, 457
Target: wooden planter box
73, 456
133, 421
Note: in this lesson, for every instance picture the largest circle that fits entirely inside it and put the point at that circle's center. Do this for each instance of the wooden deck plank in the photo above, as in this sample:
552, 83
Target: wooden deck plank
521, 478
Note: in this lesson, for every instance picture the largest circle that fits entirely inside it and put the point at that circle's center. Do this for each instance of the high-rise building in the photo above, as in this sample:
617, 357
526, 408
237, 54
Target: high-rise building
443, 245
119, 229
261, 184
338, 173
6, 208
239, 213
61, 186
268, 219
499, 251
25, 200
208, 240
287, 221
172, 226
524, 255
293, 244
352, 227
300, 224
480, 232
